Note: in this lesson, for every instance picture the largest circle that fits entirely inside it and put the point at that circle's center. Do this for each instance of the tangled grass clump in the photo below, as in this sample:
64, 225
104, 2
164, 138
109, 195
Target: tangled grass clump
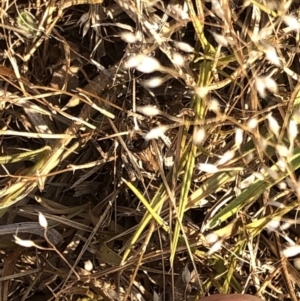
149, 150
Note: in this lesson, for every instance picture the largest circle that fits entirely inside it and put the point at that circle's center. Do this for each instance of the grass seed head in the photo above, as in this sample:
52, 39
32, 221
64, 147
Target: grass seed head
271, 54
273, 224
24, 242
282, 151
214, 105
220, 39
148, 110
199, 136
42, 220
178, 59
291, 251
156, 132
130, 37
263, 84
215, 247
185, 47
273, 124
209, 168
227, 157
291, 22
217, 8
153, 82
201, 91
88, 265
238, 137
252, 123
142, 63
181, 12
292, 130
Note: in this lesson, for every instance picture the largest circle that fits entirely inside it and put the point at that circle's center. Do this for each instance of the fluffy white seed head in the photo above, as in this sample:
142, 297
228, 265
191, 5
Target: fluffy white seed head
263, 34
291, 22
271, 55
282, 150
296, 263
217, 8
184, 47
177, 59
153, 82
220, 39
227, 157
209, 168
252, 123
282, 185
130, 37
201, 91
238, 137
88, 265
182, 13
281, 164
291, 251
263, 84
271, 85
215, 247
142, 63
292, 130
273, 224
214, 105
273, 124
285, 226
148, 110
199, 136
156, 132
42, 220
211, 238
23, 242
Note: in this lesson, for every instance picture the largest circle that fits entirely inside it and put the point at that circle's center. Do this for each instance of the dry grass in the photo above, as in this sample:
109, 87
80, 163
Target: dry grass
149, 150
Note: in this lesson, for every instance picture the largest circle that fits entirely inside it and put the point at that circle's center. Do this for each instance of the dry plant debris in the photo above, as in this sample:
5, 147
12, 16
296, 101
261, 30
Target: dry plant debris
149, 149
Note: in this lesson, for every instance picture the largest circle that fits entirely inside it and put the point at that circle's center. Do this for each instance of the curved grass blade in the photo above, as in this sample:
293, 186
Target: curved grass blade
252, 193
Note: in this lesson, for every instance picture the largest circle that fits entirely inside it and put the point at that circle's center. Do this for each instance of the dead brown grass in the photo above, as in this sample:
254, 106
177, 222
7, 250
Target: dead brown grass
149, 149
